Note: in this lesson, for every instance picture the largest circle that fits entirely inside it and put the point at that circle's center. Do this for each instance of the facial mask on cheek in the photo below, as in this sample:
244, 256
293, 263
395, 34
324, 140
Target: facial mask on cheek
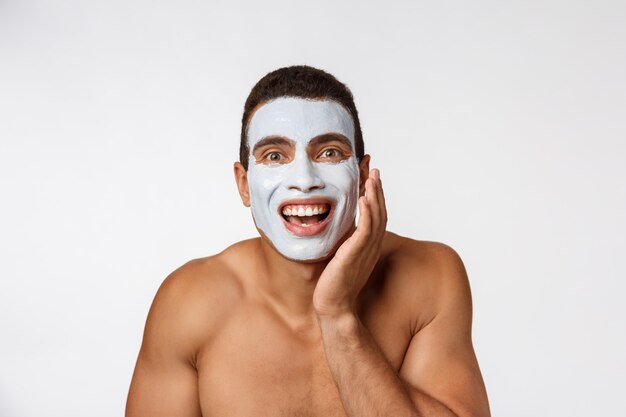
303, 188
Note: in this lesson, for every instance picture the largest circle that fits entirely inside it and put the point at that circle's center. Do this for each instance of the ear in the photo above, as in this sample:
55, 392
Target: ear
241, 178
364, 173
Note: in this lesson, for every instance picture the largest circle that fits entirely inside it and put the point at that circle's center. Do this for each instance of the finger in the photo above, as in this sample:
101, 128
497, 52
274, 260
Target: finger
382, 203
372, 199
364, 226
379, 203
379, 197
376, 173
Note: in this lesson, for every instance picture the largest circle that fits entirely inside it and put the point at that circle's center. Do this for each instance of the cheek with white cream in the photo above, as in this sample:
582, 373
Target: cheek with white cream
304, 207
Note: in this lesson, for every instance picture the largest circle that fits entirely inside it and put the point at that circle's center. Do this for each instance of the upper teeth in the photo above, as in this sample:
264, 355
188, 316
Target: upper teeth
302, 211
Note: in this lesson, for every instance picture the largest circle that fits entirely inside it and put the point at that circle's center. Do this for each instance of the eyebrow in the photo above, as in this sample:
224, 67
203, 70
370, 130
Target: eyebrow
272, 140
330, 137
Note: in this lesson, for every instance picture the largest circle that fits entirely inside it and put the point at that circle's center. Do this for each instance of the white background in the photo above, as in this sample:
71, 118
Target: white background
499, 128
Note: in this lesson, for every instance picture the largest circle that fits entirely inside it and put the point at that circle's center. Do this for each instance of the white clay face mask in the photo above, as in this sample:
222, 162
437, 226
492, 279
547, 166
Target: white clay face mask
304, 186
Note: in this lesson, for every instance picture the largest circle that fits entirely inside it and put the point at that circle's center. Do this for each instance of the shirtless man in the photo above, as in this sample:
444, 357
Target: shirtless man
316, 317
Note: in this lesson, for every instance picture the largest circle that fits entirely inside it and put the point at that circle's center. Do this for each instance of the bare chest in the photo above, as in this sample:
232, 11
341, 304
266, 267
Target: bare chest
257, 366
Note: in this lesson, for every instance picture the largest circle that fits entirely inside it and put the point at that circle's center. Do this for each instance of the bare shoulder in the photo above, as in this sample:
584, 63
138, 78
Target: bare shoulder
187, 311
205, 281
429, 275
422, 253
439, 364
191, 303
430, 260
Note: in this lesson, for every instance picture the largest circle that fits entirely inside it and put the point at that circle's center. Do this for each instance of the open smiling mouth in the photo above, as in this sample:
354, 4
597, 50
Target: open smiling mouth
306, 219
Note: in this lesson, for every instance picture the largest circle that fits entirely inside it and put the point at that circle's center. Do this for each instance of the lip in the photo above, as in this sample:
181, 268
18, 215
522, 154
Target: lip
308, 230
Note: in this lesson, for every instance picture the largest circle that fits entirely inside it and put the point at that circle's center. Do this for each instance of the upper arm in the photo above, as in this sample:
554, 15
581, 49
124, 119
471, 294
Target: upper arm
165, 381
440, 359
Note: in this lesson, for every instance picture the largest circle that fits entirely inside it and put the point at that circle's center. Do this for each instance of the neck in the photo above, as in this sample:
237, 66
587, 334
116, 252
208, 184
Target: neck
287, 285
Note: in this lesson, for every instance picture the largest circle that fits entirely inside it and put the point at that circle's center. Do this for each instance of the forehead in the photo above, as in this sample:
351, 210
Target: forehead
300, 120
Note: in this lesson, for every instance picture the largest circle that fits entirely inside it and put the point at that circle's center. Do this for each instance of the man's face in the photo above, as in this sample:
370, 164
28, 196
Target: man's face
303, 175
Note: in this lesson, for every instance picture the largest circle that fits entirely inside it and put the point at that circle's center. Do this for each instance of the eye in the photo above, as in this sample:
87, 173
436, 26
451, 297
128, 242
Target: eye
330, 153
274, 156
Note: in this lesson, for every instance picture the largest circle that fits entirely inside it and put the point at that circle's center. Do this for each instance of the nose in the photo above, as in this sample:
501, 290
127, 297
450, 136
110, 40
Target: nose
303, 176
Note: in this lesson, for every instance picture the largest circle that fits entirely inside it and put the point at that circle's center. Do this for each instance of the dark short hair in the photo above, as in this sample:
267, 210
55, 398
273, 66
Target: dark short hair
300, 81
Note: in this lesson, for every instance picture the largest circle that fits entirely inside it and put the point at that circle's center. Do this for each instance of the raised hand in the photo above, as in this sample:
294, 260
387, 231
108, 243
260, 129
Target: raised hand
348, 271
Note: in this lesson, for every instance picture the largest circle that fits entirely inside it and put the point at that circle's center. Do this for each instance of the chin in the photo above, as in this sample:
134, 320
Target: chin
295, 255
324, 258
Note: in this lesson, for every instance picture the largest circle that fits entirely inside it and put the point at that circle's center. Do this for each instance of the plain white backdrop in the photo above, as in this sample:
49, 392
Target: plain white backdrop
499, 128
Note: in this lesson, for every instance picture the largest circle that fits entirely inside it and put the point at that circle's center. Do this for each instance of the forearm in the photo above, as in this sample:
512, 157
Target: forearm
368, 385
